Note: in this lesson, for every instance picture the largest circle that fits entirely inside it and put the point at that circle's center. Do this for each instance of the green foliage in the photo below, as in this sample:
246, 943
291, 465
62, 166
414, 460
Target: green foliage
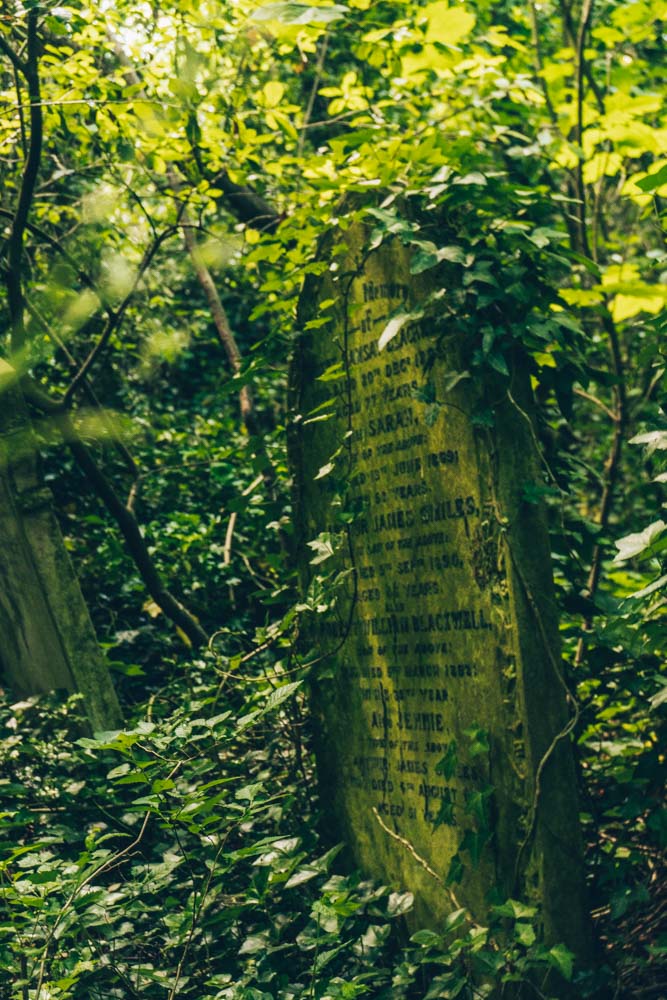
177, 857
519, 153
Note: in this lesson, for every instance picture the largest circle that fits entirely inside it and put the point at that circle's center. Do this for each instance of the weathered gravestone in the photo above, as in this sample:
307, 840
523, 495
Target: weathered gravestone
47, 640
437, 687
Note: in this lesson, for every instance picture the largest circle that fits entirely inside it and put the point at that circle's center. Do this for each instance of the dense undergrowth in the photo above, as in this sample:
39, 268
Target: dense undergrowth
185, 856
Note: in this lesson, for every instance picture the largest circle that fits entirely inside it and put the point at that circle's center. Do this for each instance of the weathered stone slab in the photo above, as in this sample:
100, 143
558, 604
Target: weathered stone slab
438, 694
47, 640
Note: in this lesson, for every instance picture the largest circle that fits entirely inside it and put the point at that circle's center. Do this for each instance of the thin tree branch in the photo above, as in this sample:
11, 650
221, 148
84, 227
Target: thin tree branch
24, 137
598, 402
248, 206
580, 61
612, 465
13, 56
319, 68
89, 392
116, 315
124, 518
55, 244
127, 522
30, 70
568, 22
537, 59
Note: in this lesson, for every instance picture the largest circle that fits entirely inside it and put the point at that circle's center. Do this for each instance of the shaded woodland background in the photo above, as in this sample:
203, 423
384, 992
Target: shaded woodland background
167, 173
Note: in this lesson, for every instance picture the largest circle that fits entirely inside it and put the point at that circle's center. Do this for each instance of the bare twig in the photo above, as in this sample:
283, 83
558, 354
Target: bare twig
227, 551
598, 402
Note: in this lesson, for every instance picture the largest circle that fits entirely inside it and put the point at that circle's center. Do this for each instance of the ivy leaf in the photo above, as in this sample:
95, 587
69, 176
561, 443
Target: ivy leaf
429, 255
562, 959
479, 741
445, 815
448, 764
525, 934
396, 324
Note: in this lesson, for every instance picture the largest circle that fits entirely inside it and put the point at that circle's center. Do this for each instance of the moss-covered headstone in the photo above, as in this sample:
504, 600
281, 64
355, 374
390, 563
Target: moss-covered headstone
442, 714
47, 640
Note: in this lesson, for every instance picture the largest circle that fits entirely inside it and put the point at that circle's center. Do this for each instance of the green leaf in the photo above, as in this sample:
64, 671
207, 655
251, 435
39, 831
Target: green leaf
479, 741
445, 815
301, 877
515, 909
395, 325
273, 93
498, 362
659, 699
562, 959
639, 542
428, 255
654, 441
399, 903
475, 177
653, 181
525, 934
447, 24
427, 938
448, 764
299, 13
281, 695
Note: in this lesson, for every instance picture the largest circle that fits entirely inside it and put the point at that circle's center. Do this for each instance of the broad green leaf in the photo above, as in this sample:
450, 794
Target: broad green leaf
654, 441
639, 542
427, 938
447, 25
524, 933
653, 181
273, 93
299, 13
562, 959
396, 324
